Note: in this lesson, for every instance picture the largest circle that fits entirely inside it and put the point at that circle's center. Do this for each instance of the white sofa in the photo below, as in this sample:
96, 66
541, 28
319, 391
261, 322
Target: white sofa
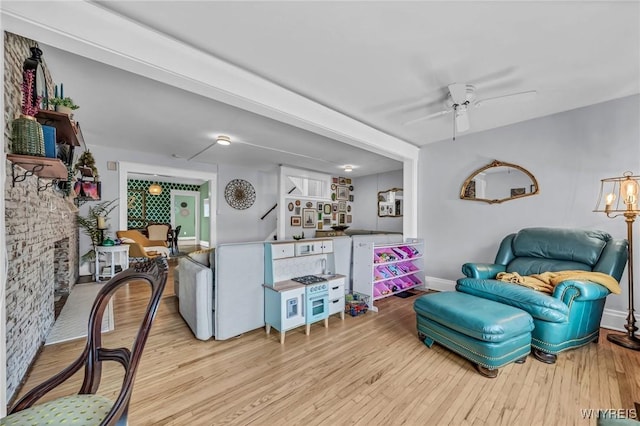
222, 297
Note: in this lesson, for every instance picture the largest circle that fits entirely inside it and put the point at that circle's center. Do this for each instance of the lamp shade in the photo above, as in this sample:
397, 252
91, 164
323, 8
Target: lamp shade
619, 195
155, 189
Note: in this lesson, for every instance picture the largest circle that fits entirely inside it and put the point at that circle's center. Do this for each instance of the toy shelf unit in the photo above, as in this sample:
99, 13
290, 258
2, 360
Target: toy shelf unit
382, 270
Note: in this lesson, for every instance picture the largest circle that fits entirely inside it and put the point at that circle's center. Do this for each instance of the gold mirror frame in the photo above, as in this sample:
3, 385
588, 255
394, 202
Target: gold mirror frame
385, 207
137, 197
466, 188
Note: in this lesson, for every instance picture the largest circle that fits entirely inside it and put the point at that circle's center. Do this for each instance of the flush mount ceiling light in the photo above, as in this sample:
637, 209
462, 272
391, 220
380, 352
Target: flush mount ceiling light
223, 140
348, 168
155, 189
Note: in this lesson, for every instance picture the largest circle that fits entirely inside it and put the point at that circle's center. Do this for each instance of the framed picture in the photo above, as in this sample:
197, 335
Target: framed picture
517, 191
92, 190
296, 221
320, 226
327, 208
342, 218
342, 181
343, 193
308, 218
348, 181
349, 218
290, 207
342, 206
320, 206
334, 180
297, 211
334, 207
327, 221
350, 197
136, 204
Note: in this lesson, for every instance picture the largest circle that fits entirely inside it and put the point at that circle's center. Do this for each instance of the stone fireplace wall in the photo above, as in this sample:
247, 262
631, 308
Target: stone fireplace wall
41, 238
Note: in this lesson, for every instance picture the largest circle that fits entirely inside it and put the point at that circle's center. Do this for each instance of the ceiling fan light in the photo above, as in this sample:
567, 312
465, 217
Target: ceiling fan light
348, 168
155, 189
223, 140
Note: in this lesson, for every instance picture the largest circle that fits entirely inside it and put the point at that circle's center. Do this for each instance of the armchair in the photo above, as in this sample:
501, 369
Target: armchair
570, 316
159, 232
140, 246
88, 406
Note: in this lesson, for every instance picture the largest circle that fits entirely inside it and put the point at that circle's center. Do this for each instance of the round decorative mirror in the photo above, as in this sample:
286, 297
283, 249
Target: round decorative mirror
497, 182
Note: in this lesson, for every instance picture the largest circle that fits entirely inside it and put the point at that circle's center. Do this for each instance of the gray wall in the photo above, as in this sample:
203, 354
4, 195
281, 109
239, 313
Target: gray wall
568, 153
365, 202
233, 225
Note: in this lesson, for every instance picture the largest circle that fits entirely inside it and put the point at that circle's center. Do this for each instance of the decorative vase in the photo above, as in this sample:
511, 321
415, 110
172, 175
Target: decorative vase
27, 137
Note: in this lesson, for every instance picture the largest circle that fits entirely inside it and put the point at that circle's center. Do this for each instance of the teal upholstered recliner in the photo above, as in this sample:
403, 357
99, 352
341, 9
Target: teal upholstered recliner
568, 318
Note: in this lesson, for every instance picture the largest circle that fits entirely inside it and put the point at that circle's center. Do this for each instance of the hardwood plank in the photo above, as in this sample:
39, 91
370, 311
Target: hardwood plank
370, 369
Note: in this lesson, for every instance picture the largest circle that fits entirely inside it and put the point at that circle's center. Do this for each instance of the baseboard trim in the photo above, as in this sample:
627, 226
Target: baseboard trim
611, 319
204, 243
439, 284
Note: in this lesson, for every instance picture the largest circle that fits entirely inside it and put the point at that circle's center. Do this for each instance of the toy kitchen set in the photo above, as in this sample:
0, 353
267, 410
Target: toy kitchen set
299, 288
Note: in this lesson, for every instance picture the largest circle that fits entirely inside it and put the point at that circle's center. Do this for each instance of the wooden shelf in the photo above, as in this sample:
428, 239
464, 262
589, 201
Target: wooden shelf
67, 131
43, 167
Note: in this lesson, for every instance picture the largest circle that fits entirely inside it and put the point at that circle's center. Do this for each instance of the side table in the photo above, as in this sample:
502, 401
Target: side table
117, 255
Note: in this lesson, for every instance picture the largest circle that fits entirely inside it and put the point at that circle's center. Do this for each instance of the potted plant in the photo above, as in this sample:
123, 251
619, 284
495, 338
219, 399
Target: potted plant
64, 105
89, 224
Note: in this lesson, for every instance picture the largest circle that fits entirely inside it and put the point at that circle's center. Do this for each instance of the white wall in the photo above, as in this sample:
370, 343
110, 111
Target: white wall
568, 153
365, 201
245, 225
232, 226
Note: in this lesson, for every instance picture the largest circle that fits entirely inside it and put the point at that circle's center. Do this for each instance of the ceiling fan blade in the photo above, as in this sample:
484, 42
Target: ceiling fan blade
462, 121
427, 117
520, 96
458, 93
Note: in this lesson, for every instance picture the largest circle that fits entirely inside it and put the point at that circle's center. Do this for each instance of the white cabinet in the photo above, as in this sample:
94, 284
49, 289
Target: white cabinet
336, 297
382, 270
282, 250
326, 246
308, 248
284, 307
311, 247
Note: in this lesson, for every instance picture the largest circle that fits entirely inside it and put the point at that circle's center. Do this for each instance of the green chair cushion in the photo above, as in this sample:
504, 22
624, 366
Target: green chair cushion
72, 410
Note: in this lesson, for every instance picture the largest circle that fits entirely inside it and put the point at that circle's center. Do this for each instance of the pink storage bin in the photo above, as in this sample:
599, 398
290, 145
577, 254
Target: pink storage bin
385, 255
415, 280
401, 283
382, 288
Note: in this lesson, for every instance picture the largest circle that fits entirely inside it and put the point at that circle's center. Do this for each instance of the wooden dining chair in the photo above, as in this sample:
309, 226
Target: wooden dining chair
86, 407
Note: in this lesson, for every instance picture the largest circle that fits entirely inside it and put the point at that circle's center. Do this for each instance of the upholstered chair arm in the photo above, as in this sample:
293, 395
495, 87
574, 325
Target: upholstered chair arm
570, 290
482, 270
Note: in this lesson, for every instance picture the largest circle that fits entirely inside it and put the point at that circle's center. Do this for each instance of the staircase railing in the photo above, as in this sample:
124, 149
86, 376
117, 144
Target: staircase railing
276, 205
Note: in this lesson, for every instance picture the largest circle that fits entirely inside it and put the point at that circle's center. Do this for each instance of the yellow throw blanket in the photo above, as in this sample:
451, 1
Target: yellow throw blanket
547, 281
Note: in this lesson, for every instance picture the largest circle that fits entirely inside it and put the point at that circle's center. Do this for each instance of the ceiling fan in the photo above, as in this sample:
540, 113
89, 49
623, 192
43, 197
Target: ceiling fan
461, 98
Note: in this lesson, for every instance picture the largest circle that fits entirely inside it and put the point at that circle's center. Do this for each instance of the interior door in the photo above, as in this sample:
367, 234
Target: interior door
185, 213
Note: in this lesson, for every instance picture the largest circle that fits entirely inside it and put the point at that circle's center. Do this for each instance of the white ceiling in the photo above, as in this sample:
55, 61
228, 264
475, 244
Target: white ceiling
381, 63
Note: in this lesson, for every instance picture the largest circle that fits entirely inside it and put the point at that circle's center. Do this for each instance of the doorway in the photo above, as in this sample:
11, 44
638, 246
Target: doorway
127, 168
185, 213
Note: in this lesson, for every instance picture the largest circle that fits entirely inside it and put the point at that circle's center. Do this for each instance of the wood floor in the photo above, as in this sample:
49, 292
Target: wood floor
370, 369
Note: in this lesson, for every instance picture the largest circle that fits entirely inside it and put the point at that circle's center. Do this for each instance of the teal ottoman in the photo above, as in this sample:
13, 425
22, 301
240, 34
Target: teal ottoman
487, 333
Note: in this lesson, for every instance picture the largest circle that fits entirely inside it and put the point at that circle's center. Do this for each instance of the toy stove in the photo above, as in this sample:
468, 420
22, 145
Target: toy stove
316, 297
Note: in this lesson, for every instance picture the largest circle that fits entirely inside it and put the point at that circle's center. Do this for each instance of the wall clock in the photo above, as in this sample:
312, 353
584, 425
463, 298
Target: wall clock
240, 194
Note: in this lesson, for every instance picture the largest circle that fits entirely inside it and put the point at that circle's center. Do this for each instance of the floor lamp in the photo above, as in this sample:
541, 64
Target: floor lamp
619, 197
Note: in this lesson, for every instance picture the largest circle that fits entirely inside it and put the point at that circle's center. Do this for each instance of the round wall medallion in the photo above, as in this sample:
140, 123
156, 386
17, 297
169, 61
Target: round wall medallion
240, 194
183, 204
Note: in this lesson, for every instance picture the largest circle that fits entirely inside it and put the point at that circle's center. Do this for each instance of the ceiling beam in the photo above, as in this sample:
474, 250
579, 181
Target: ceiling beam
89, 30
